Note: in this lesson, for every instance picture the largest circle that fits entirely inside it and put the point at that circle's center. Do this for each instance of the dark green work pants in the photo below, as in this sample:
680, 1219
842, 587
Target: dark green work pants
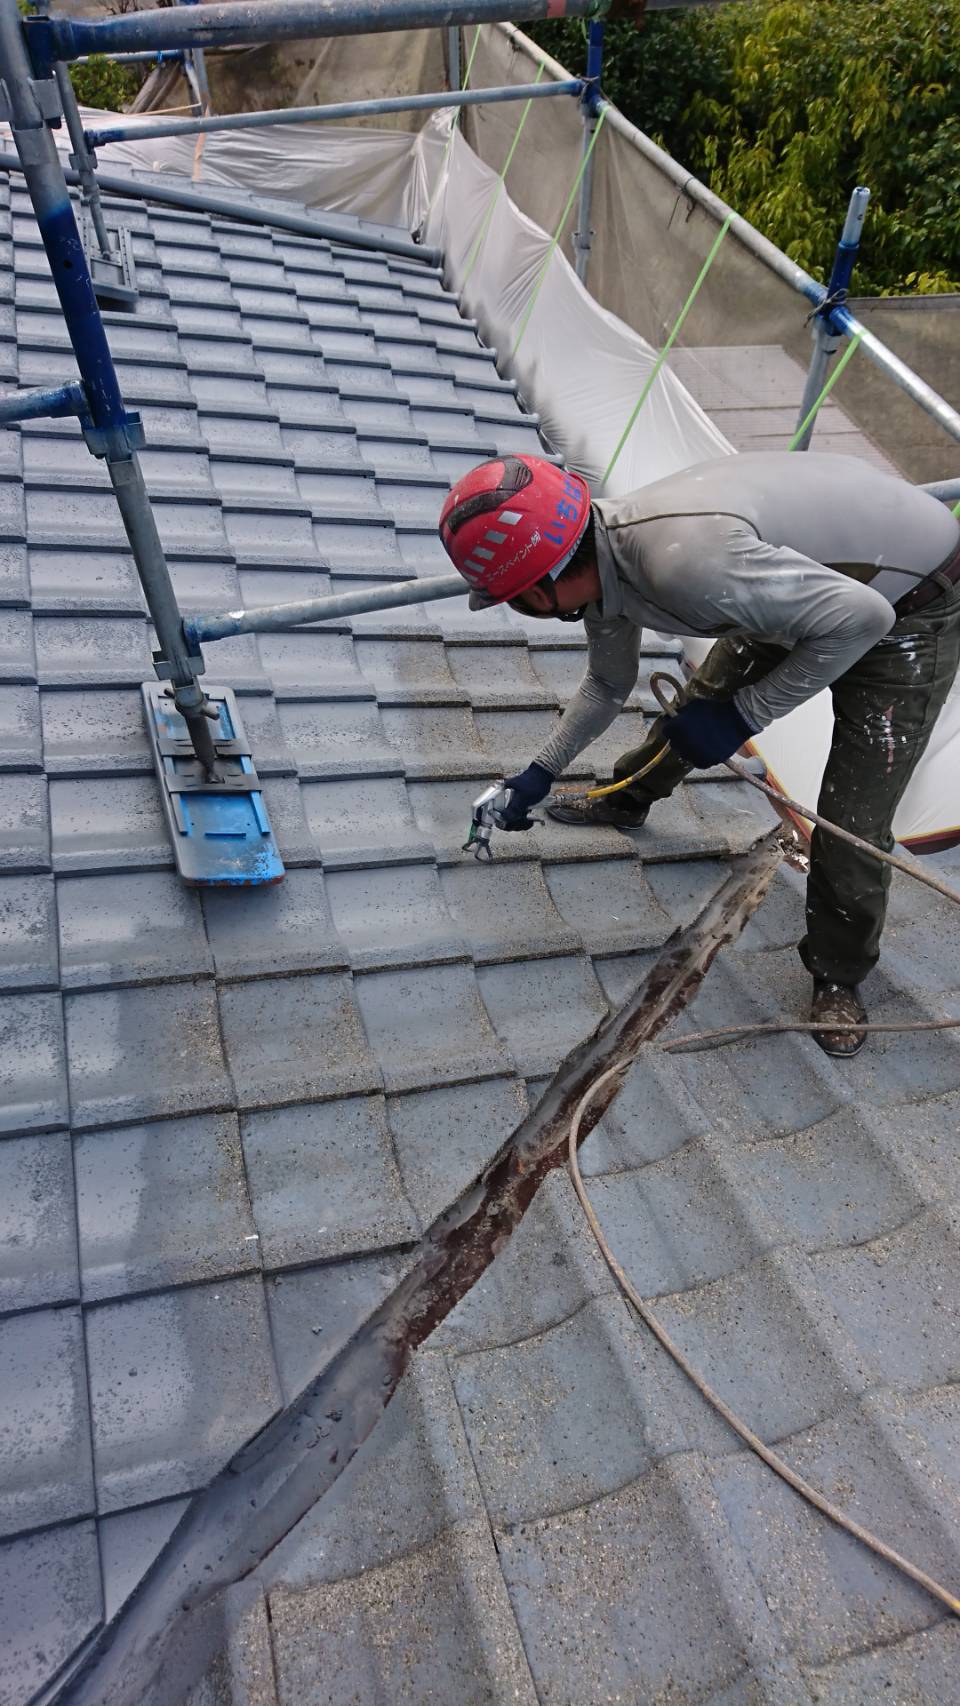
884, 711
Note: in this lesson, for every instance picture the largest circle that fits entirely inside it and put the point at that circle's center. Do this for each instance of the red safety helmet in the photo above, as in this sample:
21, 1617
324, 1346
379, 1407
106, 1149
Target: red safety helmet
509, 523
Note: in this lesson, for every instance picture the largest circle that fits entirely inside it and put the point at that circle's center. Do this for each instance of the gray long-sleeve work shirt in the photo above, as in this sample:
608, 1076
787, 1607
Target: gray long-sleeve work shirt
809, 552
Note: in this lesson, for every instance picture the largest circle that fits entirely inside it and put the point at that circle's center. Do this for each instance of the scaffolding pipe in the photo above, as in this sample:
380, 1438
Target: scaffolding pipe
131, 131
583, 235
246, 21
453, 57
845, 322
42, 405
109, 430
81, 159
147, 58
195, 67
826, 335
273, 618
327, 228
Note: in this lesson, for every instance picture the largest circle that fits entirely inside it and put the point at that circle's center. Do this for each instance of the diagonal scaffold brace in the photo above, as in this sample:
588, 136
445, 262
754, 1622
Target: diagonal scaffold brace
199, 748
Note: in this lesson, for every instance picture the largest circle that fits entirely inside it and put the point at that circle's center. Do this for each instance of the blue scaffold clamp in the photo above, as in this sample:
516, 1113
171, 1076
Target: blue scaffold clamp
218, 824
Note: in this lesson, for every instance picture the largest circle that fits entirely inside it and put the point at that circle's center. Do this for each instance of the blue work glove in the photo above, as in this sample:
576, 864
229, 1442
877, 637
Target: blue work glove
707, 731
528, 789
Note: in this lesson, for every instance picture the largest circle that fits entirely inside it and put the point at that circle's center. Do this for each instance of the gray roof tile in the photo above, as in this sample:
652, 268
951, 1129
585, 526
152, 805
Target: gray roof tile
108, 824
549, 1418
882, 1289
162, 1204
338, 738
81, 651
293, 1039
395, 917
830, 1595
925, 1663
46, 1472
832, 1185
28, 934
14, 585
770, 1332
614, 1564
373, 1629
33, 1074
38, 1229
90, 580
127, 928
24, 824
93, 732
50, 1601
178, 1382
541, 1008
611, 905
428, 1026
145, 1053
654, 1217
293, 833
323, 1181
366, 822
284, 927
511, 916
17, 660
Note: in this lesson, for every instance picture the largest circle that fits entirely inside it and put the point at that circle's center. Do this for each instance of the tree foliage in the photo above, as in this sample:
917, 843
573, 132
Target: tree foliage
102, 83
782, 106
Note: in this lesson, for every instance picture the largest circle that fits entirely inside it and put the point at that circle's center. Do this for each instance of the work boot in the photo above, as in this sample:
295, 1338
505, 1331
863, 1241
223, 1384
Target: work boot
839, 1004
576, 809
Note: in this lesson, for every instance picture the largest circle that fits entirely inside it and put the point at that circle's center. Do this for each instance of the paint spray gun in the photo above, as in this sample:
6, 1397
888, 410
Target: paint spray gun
488, 810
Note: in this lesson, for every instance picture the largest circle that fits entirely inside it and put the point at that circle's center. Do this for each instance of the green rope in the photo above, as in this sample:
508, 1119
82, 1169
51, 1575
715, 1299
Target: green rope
956, 509
557, 235
485, 226
661, 358
849, 352
453, 127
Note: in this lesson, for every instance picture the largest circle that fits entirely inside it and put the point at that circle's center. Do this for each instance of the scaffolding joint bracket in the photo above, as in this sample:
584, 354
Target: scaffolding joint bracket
39, 34
46, 95
591, 99
113, 443
164, 669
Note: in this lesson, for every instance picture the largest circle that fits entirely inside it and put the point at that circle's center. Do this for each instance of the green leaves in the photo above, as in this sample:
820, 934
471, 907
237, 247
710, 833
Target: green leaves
782, 106
103, 83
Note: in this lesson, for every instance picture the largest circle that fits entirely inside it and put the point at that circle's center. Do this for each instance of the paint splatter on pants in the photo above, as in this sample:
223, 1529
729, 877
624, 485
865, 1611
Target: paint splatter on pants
884, 711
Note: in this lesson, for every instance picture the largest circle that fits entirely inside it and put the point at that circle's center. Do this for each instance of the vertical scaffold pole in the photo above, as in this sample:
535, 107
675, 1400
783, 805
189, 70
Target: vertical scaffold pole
194, 60
81, 158
590, 103
109, 430
825, 339
453, 56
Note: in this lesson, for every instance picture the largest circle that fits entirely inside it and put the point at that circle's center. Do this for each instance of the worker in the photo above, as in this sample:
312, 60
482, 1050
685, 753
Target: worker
810, 571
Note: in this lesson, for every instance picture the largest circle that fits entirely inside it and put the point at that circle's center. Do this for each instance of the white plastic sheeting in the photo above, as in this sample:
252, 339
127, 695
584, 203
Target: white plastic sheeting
579, 366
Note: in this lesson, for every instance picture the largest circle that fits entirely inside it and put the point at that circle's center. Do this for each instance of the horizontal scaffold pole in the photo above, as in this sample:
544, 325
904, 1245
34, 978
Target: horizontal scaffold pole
43, 405
147, 58
326, 227
133, 131
269, 618
241, 21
